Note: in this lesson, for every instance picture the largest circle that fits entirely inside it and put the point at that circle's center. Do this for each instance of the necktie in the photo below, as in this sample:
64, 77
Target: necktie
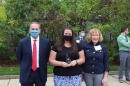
34, 56
126, 38
81, 39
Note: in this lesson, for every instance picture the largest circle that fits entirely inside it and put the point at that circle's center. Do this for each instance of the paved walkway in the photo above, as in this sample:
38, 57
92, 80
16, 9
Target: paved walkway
112, 81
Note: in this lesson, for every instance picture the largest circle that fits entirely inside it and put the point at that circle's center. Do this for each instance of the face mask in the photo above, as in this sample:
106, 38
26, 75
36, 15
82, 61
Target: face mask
68, 38
34, 33
83, 34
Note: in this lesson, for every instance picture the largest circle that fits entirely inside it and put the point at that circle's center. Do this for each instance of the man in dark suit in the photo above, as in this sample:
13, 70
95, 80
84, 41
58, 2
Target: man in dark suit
32, 54
81, 38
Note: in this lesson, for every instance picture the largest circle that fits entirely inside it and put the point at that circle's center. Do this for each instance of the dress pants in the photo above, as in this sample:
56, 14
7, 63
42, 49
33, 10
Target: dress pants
124, 62
34, 79
93, 79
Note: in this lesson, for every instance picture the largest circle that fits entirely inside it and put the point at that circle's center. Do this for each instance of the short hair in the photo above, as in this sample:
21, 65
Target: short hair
81, 30
123, 28
92, 31
35, 23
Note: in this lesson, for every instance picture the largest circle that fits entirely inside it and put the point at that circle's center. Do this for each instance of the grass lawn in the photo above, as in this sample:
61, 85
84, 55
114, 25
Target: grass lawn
15, 70
114, 68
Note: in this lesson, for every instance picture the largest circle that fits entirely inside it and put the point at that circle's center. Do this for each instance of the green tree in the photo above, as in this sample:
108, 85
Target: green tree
107, 15
114, 14
3, 18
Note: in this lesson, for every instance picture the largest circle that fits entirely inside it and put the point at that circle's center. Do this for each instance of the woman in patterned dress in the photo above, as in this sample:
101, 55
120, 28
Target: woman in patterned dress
67, 57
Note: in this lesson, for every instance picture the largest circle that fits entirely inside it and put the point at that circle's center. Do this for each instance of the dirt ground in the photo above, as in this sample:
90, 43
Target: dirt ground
8, 63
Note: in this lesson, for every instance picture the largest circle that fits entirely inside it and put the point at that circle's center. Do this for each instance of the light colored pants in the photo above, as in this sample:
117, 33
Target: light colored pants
93, 79
124, 62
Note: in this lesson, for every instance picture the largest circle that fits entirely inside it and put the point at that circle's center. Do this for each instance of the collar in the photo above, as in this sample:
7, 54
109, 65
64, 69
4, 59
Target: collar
98, 43
123, 34
35, 39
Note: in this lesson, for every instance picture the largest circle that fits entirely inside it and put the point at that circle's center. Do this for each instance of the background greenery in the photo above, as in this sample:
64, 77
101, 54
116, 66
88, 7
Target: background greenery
16, 71
107, 15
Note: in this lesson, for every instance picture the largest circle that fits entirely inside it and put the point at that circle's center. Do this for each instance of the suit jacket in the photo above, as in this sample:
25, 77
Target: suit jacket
96, 62
24, 57
81, 42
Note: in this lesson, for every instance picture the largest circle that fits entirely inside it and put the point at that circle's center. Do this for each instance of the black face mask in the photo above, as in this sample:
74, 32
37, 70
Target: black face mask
67, 38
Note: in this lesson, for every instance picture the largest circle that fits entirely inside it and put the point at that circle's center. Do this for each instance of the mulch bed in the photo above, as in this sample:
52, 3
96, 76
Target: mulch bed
8, 63
15, 63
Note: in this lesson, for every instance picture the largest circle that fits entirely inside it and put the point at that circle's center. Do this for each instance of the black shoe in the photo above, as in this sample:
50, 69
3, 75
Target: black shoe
121, 80
127, 79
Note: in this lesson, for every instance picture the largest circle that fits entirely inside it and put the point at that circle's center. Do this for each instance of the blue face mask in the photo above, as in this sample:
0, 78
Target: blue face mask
34, 33
83, 34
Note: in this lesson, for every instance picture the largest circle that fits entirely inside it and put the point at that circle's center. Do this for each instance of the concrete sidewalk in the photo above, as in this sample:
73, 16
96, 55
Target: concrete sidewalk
112, 81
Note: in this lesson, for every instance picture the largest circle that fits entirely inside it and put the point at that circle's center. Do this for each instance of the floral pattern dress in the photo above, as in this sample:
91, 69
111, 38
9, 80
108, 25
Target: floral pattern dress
68, 80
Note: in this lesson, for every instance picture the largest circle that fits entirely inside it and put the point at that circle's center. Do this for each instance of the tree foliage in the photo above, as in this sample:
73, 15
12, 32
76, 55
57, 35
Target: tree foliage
107, 15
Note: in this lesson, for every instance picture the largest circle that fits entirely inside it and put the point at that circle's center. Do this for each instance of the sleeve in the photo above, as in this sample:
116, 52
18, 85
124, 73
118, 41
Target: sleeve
123, 42
105, 60
54, 48
19, 52
79, 47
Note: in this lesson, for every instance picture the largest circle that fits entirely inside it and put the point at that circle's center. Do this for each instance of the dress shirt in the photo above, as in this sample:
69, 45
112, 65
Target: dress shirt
123, 44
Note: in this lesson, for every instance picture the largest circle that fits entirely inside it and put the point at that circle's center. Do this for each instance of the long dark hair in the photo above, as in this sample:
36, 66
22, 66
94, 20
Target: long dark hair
60, 43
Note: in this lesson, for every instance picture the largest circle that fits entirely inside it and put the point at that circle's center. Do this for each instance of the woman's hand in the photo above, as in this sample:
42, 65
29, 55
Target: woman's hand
104, 81
73, 63
64, 64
